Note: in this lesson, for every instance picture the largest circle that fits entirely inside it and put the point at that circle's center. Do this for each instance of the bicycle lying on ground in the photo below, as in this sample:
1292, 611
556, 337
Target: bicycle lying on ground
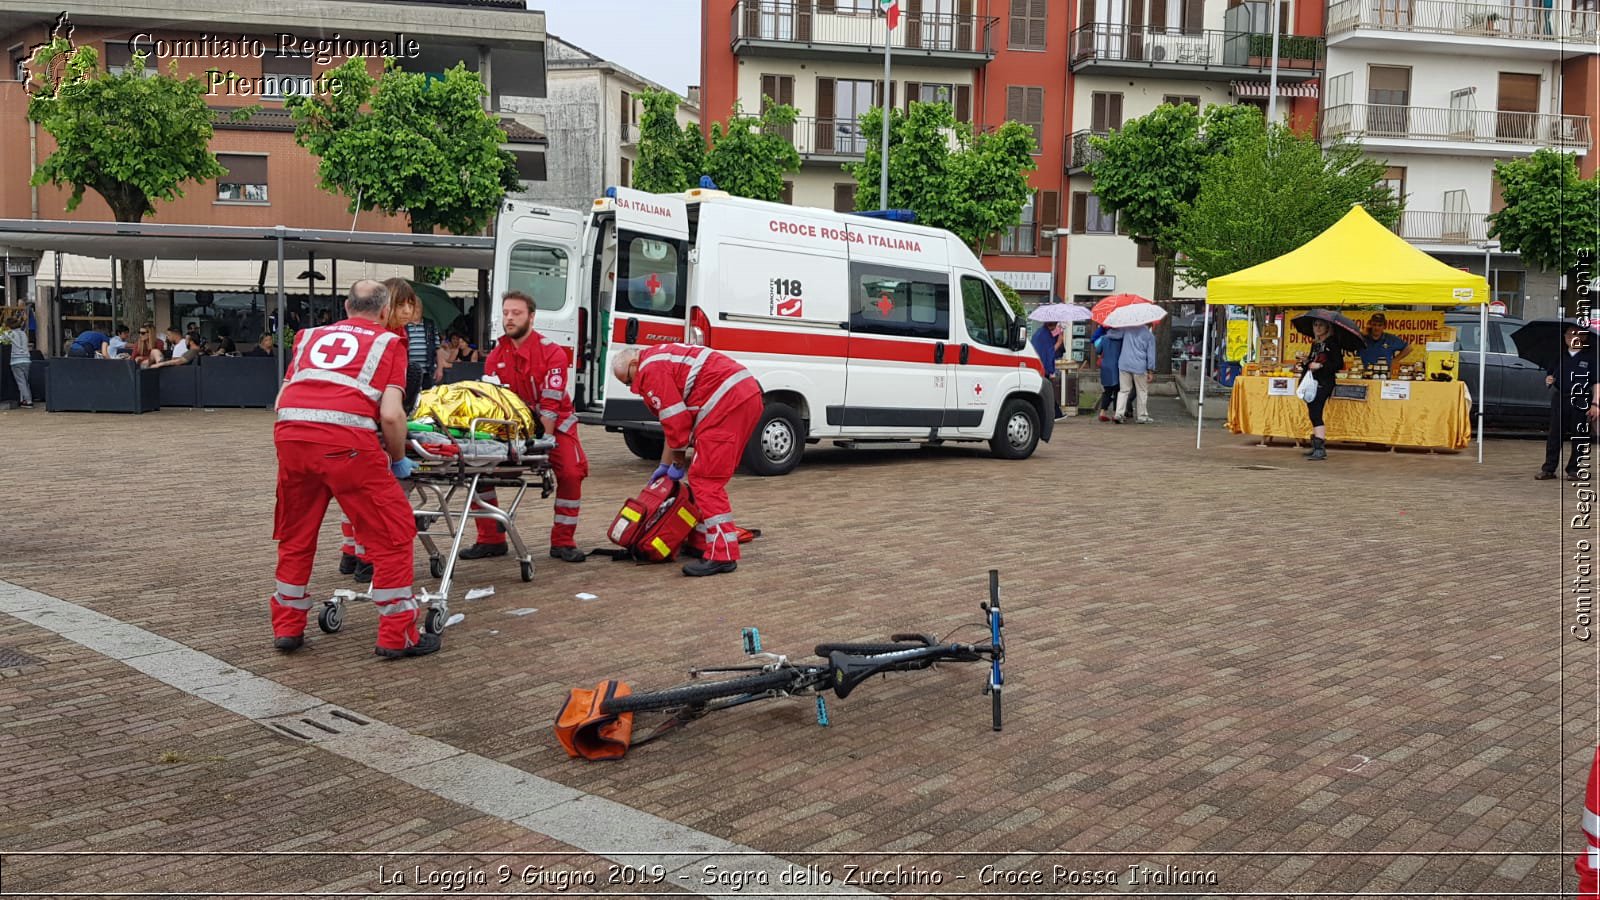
846, 667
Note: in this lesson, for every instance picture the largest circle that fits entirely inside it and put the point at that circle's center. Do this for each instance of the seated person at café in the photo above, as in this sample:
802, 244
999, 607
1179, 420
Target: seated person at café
1381, 347
120, 348
264, 347
90, 344
222, 346
180, 351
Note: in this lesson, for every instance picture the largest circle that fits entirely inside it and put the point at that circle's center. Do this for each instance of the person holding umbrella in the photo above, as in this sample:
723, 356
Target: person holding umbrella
1050, 340
1330, 335
1131, 319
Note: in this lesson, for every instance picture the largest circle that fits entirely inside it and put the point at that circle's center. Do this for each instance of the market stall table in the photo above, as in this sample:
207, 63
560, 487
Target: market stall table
1431, 414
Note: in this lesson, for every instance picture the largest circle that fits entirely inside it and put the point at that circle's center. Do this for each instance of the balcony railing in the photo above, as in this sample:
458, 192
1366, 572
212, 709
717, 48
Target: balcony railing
1442, 227
1479, 20
811, 24
1157, 46
1428, 123
630, 133
1080, 153
813, 136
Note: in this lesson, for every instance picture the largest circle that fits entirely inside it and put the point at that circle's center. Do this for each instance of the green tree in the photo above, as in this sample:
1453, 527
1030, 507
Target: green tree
1273, 191
750, 154
411, 144
1012, 298
131, 138
668, 163
1549, 214
971, 184
1149, 170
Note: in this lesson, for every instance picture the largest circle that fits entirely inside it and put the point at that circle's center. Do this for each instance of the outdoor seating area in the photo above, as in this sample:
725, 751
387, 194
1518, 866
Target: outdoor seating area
120, 385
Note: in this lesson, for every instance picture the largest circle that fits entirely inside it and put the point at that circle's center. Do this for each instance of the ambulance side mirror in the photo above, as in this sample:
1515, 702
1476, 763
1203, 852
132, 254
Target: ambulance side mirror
1019, 339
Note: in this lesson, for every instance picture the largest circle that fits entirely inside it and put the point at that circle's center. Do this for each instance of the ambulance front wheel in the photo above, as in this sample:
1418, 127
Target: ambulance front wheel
644, 445
778, 442
1017, 433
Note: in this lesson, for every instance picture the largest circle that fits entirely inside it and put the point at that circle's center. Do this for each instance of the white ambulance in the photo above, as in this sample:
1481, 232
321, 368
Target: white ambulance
861, 330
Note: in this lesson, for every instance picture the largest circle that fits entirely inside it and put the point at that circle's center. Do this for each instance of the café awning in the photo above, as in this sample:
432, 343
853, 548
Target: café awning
1264, 89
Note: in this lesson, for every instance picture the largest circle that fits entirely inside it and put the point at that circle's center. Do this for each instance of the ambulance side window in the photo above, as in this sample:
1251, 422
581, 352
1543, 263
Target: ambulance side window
899, 303
988, 321
541, 273
650, 276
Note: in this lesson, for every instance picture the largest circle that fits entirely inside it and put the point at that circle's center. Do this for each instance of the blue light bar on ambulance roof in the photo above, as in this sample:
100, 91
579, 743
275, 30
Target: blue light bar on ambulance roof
892, 215
611, 192
707, 184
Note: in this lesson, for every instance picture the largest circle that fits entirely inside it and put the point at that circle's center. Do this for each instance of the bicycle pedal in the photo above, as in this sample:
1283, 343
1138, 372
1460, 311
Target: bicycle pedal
822, 711
752, 642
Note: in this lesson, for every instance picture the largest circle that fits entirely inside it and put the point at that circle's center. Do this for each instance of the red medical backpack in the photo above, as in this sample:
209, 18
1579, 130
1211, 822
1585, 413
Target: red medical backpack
653, 525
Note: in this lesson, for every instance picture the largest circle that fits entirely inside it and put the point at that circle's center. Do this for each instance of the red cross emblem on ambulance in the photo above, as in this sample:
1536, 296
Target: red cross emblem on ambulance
884, 305
653, 284
977, 389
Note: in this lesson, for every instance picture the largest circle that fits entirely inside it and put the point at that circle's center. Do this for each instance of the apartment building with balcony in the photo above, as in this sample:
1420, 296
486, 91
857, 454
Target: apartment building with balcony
1441, 90
990, 60
591, 118
270, 180
1130, 56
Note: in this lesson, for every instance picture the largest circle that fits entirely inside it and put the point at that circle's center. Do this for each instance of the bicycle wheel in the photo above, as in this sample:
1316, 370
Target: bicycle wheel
823, 650
697, 693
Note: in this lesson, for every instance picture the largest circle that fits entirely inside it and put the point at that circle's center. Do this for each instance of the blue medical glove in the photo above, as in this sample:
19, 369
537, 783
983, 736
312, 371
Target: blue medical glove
675, 472
402, 468
660, 471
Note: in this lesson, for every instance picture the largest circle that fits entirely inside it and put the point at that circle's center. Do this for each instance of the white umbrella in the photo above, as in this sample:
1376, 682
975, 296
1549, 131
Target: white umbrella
1134, 314
1059, 312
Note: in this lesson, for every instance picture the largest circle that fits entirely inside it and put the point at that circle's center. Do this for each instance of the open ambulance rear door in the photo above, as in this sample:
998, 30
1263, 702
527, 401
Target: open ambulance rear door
539, 251
645, 293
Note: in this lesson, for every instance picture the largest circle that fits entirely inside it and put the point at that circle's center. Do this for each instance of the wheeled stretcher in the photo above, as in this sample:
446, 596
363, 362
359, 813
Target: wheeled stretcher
450, 475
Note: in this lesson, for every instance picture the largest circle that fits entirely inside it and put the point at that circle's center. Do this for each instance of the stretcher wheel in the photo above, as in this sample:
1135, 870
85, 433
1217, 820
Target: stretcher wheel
527, 570
331, 619
436, 567
433, 622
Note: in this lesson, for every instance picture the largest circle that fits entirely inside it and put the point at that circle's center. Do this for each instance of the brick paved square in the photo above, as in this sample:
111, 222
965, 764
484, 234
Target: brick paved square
1369, 655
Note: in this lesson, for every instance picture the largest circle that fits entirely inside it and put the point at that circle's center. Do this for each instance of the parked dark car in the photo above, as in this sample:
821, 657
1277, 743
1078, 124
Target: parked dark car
1517, 395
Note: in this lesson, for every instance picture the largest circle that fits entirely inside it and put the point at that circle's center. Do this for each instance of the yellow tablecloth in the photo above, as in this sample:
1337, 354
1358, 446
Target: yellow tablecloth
1438, 414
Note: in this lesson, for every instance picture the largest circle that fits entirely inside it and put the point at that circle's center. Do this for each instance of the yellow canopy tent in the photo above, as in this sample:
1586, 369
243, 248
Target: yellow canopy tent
1356, 262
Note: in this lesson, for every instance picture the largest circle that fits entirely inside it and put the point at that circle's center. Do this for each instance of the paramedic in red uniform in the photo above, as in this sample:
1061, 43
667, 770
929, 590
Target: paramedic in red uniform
344, 388
706, 400
536, 368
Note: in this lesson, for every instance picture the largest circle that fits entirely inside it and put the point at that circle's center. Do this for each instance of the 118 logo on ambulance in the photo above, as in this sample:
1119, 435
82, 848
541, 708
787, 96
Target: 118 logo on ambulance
784, 298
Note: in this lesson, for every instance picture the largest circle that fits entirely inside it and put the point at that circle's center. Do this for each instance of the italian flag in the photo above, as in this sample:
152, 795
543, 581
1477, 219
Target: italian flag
891, 8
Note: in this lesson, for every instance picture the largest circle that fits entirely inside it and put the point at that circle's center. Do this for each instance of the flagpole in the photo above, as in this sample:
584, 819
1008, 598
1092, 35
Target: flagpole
888, 88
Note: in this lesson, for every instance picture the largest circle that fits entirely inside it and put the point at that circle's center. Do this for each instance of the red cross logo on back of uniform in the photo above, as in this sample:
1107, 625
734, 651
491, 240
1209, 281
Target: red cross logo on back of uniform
333, 351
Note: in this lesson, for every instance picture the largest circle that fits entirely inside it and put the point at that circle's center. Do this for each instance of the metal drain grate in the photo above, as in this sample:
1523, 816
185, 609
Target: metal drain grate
11, 658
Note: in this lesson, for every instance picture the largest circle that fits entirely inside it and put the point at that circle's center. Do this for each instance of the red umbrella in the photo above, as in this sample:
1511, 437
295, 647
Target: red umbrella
1113, 303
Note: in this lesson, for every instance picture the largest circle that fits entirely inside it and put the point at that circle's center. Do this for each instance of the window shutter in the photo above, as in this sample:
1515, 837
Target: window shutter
1497, 198
823, 6
913, 93
1147, 253
788, 193
1097, 114
1019, 23
786, 90
913, 27
1194, 16
844, 198
1049, 207
243, 169
626, 103
1080, 212
824, 115
965, 36
627, 172
1037, 24
1035, 116
1158, 14
1113, 111
1014, 103
769, 89
963, 103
